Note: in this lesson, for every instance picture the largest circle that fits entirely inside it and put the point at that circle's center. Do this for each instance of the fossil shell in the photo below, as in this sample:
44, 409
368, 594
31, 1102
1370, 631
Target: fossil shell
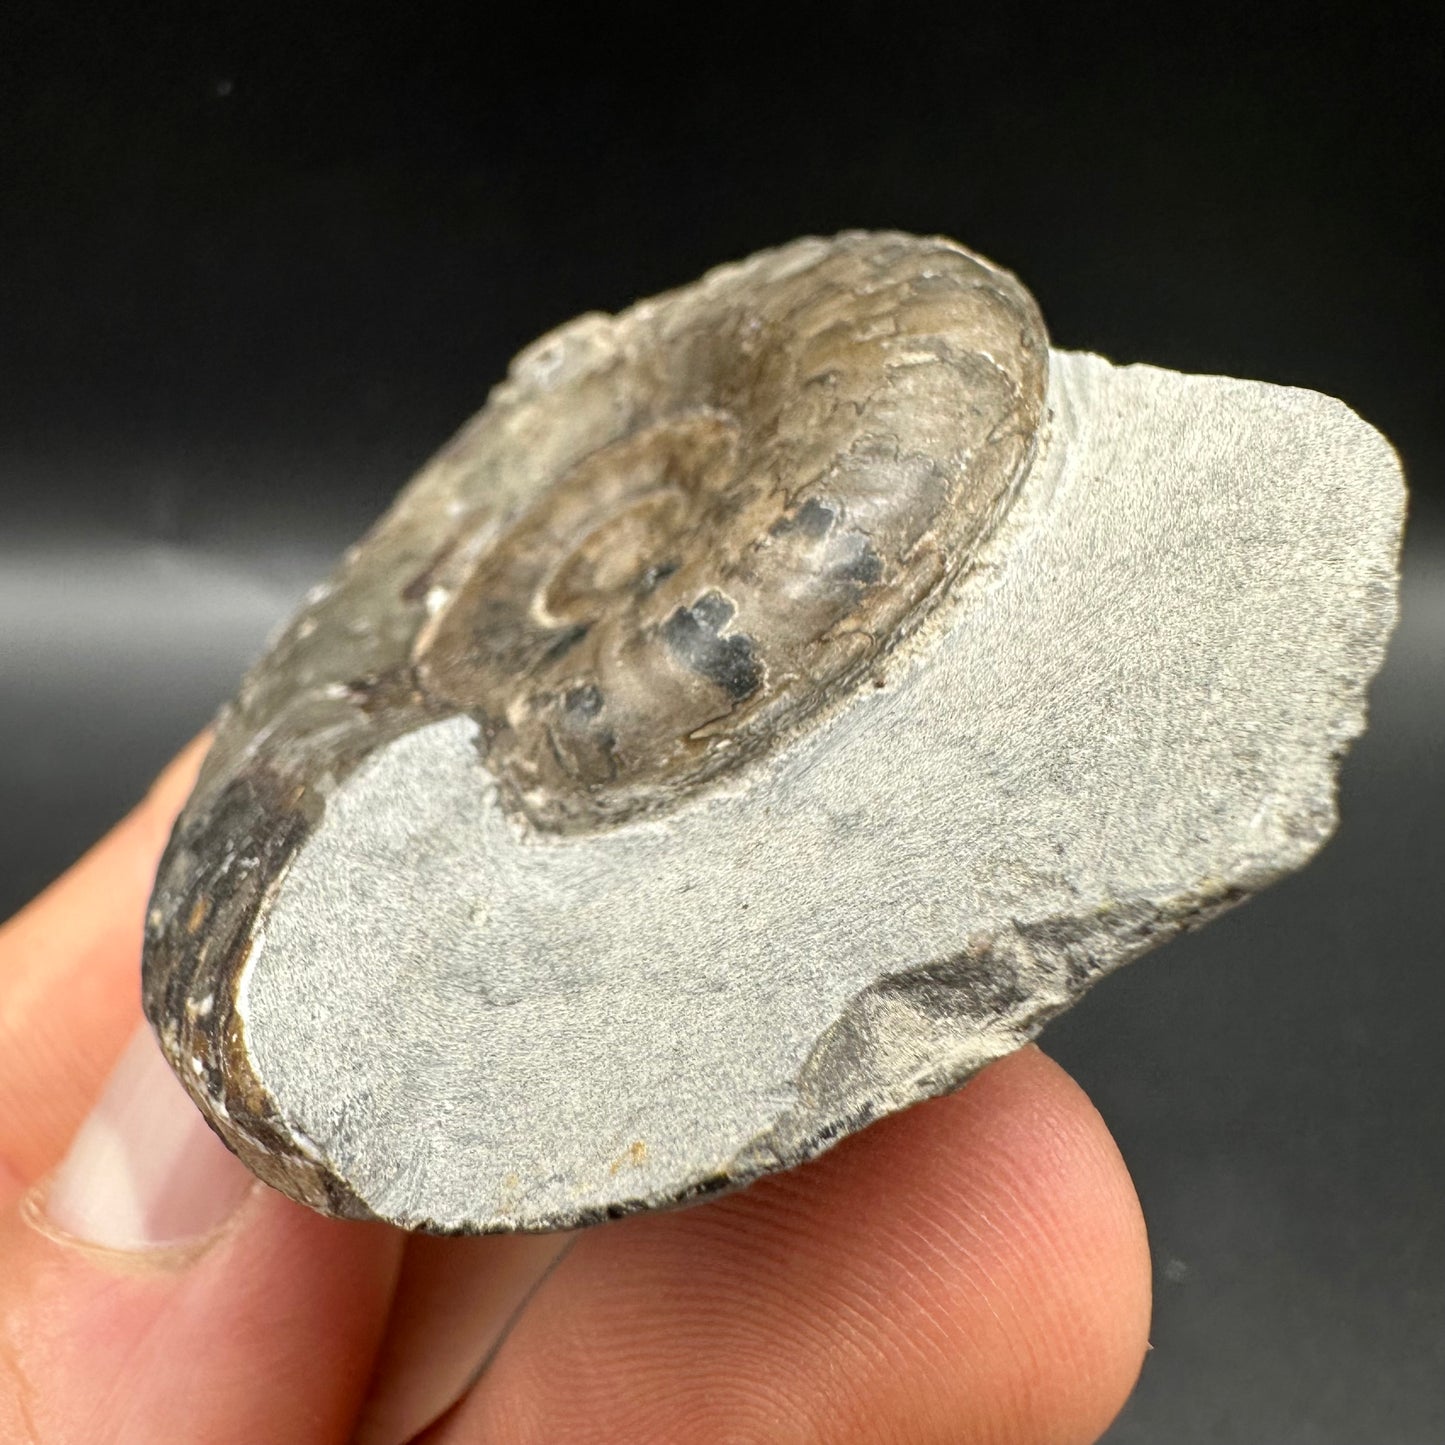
778, 702
760, 485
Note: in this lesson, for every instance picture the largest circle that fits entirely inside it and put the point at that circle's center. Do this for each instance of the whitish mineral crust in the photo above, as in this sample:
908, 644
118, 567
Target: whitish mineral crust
780, 701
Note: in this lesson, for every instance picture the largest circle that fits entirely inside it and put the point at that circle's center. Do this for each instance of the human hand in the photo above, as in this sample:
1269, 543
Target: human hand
972, 1270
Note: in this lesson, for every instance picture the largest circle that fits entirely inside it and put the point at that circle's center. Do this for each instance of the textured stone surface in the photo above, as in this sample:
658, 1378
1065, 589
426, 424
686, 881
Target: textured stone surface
783, 699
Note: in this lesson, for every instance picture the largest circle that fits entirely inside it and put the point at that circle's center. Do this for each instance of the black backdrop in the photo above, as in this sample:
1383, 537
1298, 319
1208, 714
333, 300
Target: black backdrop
255, 265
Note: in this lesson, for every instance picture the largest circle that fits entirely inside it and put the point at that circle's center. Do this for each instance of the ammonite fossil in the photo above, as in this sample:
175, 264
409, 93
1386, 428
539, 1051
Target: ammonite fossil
768, 481
779, 701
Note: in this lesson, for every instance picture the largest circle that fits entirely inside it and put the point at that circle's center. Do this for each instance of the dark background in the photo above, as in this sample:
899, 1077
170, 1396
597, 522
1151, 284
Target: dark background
253, 268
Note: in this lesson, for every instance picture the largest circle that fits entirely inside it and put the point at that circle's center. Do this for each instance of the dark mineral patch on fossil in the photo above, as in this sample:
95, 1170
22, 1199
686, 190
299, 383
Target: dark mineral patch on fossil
729, 660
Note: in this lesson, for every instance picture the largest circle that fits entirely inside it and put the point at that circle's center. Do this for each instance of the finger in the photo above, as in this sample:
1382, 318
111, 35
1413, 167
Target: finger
453, 1302
152, 1291
972, 1269
70, 979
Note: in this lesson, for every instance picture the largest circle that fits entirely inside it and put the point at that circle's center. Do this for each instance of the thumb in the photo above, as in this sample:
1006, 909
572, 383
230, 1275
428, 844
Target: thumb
153, 1291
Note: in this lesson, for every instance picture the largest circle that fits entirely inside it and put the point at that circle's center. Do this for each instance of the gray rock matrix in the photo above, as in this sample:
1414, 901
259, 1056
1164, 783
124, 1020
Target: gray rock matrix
781, 700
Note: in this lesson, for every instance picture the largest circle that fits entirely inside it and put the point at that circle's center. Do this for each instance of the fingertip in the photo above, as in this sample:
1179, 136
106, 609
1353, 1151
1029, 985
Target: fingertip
1074, 1250
973, 1268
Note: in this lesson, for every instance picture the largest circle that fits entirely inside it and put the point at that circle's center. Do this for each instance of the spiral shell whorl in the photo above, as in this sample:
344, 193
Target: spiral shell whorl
758, 485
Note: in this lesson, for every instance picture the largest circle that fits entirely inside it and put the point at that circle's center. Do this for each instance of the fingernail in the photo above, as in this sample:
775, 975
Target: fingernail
145, 1171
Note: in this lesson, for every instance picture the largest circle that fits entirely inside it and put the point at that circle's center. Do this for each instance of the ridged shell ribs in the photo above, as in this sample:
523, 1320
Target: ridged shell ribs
759, 484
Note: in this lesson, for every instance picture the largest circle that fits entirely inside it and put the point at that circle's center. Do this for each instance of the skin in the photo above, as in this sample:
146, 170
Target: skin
972, 1270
